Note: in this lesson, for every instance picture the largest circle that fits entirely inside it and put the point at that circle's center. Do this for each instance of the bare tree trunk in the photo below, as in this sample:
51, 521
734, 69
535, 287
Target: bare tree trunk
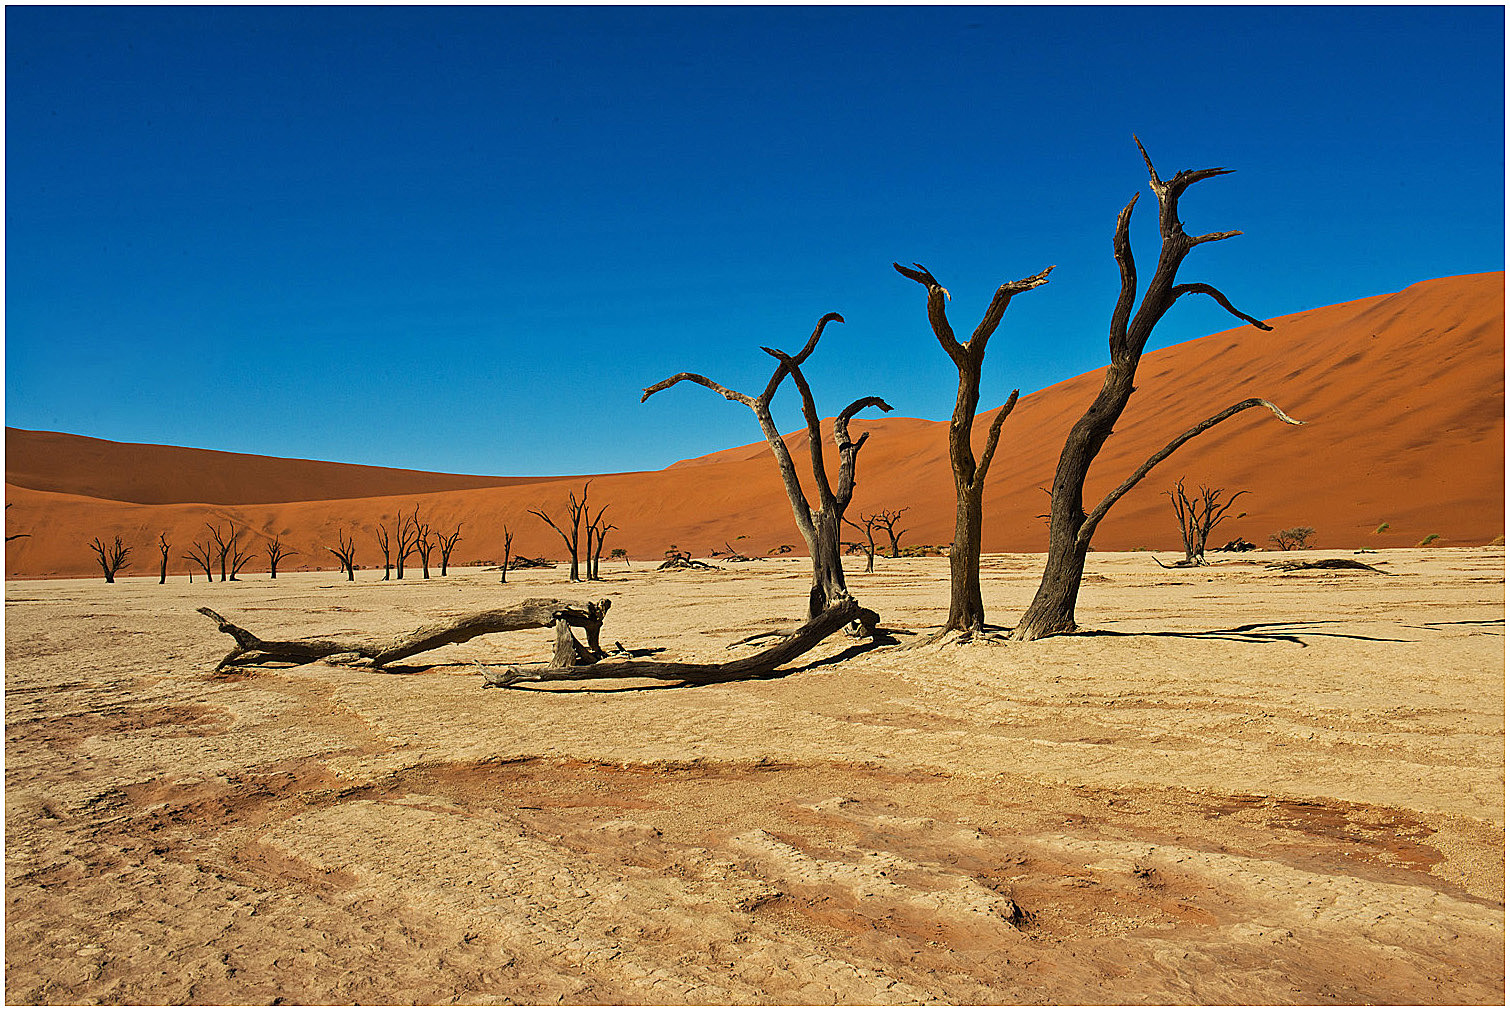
508, 543
577, 510
162, 544
1052, 610
967, 611
819, 527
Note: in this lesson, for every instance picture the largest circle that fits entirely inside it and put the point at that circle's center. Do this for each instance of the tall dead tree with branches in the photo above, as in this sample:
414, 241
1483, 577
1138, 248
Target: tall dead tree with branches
447, 544
1070, 526
819, 527
576, 509
1198, 516
276, 552
967, 612
162, 568
424, 542
385, 545
202, 555
596, 531
347, 554
869, 544
886, 519
113, 557
404, 534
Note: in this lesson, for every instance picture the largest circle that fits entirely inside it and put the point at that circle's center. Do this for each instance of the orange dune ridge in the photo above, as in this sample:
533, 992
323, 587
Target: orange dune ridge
1402, 395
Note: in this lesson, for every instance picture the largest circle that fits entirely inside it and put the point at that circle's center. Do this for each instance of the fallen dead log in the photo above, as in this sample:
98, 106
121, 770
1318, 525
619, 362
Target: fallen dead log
809, 635
536, 612
1325, 563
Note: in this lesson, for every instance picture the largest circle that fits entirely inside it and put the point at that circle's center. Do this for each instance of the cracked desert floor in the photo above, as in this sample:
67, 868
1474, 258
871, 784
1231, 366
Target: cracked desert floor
1247, 786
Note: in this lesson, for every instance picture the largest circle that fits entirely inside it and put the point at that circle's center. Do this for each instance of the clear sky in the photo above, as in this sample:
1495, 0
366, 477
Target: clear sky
465, 239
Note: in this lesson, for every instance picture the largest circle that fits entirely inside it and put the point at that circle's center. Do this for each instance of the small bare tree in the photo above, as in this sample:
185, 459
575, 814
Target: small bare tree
576, 509
447, 543
620, 553
404, 534
202, 555
819, 527
887, 519
347, 554
1070, 527
1198, 517
276, 552
222, 547
385, 544
113, 557
162, 569
239, 558
424, 542
597, 530
508, 544
869, 544
967, 612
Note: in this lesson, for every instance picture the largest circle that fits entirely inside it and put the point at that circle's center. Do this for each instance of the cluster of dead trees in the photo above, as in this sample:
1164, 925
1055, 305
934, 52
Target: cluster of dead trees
1071, 524
582, 521
410, 535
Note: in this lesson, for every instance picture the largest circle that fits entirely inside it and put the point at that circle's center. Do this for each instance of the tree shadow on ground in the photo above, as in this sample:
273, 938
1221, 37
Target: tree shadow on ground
1262, 631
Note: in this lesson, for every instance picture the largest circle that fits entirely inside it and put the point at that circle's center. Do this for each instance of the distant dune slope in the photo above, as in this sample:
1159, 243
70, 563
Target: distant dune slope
1403, 396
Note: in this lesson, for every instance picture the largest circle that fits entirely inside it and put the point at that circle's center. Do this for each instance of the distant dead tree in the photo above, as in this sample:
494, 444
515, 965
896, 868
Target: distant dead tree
576, 509
203, 556
386, 546
222, 547
508, 543
967, 612
424, 542
819, 527
1070, 526
162, 569
887, 519
447, 544
404, 535
276, 552
1198, 516
239, 558
620, 553
597, 530
113, 557
869, 544
347, 554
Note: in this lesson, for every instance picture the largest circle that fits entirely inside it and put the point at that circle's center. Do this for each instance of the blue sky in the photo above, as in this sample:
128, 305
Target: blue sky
465, 239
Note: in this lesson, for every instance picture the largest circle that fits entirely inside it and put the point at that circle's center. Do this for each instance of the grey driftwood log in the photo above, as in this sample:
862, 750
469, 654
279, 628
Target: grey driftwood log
536, 612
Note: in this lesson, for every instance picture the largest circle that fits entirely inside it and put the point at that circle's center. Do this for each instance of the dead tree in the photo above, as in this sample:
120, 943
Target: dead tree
1052, 610
201, 555
276, 552
967, 612
508, 543
162, 569
424, 542
239, 558
113, 557
533, 613
1293, 539
404, 535
819, 527
386, 547
447, 544
869, 544
620, 553
595, 544
1198, 517
576, 510
222, 547
347, 554
887, 519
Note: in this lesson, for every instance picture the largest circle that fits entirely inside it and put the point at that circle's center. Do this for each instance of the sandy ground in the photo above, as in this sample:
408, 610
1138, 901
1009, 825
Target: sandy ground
1248, 787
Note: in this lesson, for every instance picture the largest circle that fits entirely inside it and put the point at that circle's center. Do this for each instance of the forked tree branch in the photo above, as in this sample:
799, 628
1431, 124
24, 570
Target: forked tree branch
1195, 288
1088, 525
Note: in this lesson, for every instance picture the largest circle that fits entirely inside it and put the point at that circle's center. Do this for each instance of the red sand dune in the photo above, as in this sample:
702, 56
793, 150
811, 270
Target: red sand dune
1403, 396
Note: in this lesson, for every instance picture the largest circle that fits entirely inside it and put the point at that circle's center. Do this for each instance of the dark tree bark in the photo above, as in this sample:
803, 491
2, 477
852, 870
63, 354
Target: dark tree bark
203, 556
276, 552
387, 548
967, 612
112, 557
887, 519
508, 543
1198, 517
447, 545
162, 569
222, 547
869, 544
405, 532
537, 612
1052, 610
819, 527
347, 554
424, 543
576, 510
